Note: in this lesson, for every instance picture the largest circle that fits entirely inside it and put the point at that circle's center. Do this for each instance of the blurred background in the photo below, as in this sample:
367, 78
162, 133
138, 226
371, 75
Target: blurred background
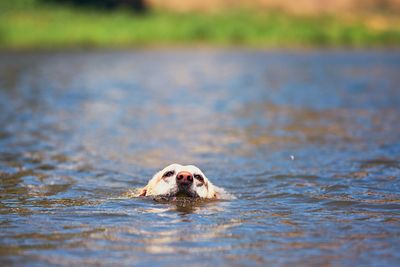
31, 24
292, 106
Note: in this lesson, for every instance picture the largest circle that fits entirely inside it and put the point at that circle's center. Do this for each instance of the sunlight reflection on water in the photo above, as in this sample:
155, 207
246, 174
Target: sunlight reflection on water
308, 142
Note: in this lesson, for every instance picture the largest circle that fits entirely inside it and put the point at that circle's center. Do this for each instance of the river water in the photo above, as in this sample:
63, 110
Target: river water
308, 142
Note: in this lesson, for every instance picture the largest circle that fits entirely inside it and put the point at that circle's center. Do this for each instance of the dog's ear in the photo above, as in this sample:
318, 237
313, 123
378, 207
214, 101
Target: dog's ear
213, 191
142, 192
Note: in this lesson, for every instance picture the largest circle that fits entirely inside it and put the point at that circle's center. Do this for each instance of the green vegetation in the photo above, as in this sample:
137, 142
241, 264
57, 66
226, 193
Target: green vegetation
29, 24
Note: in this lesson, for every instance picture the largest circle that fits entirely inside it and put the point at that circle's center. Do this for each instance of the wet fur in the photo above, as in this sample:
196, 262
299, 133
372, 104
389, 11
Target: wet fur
167, 187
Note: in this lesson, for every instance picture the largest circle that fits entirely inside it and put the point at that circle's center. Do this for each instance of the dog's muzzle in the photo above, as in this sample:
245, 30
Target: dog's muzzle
184, 180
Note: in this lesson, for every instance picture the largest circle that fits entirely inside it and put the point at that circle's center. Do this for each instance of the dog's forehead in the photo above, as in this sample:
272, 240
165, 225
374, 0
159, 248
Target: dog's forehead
177, 167
192, 169
173, 166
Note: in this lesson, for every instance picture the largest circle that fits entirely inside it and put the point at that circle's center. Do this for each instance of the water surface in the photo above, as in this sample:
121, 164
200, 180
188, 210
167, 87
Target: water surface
308, 142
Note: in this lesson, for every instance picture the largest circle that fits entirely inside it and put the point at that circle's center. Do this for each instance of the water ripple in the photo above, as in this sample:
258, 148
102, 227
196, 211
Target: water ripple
306, 141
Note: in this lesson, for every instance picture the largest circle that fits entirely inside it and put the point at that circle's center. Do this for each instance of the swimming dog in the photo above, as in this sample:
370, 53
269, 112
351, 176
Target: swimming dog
182, 180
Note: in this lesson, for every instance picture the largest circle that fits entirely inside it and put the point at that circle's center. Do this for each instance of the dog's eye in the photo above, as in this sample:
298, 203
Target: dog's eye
199, 177
168, 173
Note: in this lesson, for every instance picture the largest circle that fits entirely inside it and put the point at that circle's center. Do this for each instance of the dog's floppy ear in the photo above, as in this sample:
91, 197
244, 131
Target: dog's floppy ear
213, 191
142, 192
148, 189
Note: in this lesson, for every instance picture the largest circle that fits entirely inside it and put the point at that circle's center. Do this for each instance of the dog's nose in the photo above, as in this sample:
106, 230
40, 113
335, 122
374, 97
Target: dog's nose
184, 178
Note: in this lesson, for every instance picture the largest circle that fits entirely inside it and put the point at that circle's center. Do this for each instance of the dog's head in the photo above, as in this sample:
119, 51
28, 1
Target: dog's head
179, 180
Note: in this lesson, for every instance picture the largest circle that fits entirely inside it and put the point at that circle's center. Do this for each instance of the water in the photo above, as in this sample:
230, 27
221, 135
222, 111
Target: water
308, 142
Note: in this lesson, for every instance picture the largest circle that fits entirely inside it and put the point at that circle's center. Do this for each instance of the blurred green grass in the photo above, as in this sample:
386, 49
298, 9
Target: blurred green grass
30, 24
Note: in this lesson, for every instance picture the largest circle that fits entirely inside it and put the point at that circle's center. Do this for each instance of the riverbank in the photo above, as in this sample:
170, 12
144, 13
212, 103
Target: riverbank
39, 26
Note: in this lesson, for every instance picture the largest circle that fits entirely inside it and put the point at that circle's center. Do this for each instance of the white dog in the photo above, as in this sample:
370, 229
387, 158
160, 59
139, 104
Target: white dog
178, 180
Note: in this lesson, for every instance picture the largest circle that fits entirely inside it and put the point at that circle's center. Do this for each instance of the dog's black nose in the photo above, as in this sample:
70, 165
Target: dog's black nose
184, 178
